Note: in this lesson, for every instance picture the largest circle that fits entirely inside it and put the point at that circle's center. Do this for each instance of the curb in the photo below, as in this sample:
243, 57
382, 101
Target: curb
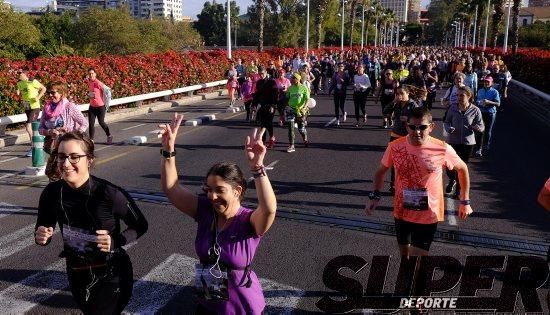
20, 136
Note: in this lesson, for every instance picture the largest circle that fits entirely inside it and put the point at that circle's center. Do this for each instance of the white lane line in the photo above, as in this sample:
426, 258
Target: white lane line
280, 298
21, 297
16, 241
4, 153
451, 211
7, 175
10, 159
220, 103
8, 209
102, 148
132, 127
330, 122
269, 168
155, 289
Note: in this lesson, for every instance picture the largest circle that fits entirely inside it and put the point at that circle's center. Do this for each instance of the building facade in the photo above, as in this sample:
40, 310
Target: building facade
399, 7
170, 9
413, 12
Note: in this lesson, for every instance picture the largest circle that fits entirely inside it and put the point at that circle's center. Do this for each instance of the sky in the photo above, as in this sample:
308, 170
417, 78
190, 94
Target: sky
190, 7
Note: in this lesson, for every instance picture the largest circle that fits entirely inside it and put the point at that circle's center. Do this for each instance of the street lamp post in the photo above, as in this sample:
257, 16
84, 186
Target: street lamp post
505, 47
475, 27
228, 30
307, 28
362, 26
486, 25
462, 34
397, 38
342, 32
376, 30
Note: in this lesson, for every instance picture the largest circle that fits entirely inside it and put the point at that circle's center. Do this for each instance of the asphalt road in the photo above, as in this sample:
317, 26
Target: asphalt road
321, 192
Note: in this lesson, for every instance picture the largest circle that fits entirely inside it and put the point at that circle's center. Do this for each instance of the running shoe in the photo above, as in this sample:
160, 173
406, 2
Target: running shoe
290, 149
281, 122
391, 123
478, 154
365, 118
271, 143
337, 122
29, 154
357, 125
110, 139
385, 126
306, 143
345, 116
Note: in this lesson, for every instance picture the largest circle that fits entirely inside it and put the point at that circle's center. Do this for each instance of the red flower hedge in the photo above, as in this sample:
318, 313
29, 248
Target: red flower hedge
139, 74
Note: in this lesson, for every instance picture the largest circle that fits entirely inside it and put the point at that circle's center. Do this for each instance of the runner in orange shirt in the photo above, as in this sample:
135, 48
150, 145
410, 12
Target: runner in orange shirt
419, 160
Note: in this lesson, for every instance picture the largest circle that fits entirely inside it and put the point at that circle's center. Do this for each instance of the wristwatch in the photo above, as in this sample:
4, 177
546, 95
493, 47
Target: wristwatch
374, 195
167, 155
465, 202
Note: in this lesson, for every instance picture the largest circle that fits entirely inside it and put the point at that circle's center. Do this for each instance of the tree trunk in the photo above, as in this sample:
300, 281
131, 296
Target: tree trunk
319, 18
497, 18
261, 14
515, 26
352, 20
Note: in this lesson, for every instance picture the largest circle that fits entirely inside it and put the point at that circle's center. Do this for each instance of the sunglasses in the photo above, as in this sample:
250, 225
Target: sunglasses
51, 92
73, 158
419, 127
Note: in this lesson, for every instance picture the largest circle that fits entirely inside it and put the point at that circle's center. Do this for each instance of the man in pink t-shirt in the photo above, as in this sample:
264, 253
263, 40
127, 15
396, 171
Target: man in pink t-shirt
418, 206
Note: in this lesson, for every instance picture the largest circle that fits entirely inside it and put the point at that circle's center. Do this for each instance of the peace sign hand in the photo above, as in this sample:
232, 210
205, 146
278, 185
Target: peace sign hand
255, 149
169, 132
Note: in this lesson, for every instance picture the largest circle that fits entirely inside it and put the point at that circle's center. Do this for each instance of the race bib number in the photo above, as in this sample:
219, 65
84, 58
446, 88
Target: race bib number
91, 95
388, 91
415, 199
80, 240
211, 282
26, 105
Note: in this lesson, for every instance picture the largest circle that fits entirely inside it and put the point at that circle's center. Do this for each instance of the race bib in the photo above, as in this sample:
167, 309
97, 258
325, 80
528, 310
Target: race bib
388, 91
415, 199
91, 94
79, 240
211, 282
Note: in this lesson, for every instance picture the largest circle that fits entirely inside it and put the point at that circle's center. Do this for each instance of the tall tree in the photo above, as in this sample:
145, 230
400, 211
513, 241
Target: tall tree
321, 6
497, 19
211, 23
260, 4
352, 14
515, 26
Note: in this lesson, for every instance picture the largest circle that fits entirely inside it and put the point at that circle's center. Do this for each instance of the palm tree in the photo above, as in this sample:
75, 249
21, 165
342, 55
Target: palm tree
515, 26
353, 7
497, 19
321, 6
260, 5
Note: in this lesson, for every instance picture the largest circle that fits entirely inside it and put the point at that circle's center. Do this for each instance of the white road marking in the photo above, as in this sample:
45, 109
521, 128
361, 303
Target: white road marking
220, 103
10, 159
21, 297
7, 175
330, 122
16, 241
4, 153
132, 127
155, 289
8, 209
451, 211
282, 298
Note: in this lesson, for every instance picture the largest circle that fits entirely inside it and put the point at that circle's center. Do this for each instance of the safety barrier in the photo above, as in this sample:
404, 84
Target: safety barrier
20, 118
545, 97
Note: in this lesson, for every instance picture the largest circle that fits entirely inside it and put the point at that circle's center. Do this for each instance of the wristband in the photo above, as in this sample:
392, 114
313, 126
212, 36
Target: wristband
465, 202
374, 195
167, 155
259, 172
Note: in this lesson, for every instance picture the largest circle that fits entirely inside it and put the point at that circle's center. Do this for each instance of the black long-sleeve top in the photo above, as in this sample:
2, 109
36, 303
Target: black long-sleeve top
266, 93
96, 205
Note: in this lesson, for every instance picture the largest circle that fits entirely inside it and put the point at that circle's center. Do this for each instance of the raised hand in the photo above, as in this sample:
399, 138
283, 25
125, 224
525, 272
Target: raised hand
42, 234
169, 132
370, 206
103, 240
255, 149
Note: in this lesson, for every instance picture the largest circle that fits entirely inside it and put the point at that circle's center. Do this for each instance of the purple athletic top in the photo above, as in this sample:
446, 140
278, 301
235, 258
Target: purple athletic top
238, 242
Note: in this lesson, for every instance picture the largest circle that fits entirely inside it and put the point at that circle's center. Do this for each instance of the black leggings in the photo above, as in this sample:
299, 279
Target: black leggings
265, 117
360, 100
110, 294
100, 113
339, 101
463, 151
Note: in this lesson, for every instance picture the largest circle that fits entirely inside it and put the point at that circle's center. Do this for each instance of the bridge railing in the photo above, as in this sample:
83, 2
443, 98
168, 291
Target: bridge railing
20, 118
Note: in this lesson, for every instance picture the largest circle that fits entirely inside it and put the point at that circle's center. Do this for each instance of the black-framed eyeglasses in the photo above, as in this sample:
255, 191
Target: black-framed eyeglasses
73, 158
51, 92
419, 127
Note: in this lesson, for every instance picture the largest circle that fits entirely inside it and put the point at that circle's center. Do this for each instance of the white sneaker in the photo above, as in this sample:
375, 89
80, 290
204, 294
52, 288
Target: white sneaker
29, 154
290, 149
337, 122
345, 116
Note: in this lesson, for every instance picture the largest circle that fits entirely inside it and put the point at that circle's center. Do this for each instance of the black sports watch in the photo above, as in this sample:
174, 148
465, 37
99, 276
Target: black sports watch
465, 202
374, 195
167, 155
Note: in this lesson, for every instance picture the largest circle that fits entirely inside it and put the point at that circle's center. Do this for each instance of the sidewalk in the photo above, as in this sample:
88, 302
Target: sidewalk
20, 136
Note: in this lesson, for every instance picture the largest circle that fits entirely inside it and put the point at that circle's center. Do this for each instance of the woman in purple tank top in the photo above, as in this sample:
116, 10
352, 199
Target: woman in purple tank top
228, 234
